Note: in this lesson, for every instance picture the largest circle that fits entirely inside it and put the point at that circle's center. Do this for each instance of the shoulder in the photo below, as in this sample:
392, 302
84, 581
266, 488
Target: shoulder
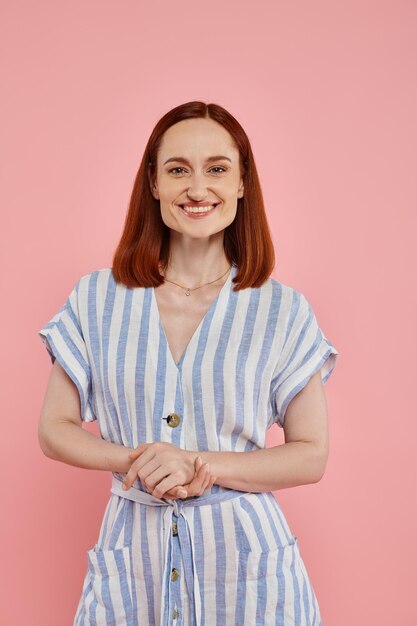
97, 280
95, 286
289, 299
93, 276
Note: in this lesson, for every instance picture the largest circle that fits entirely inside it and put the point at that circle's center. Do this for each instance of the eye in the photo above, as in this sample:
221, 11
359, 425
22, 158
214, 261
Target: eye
216, 169
173, 169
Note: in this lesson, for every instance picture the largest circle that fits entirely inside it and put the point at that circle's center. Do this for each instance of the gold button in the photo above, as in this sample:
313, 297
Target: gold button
175, 614
173, 420
174, 529
174, 574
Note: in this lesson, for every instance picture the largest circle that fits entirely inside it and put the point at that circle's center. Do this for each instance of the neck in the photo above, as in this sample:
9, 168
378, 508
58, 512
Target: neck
196, 261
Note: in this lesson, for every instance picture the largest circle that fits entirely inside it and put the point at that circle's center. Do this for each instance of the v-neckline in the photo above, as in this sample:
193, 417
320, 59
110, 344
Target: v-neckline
197, 329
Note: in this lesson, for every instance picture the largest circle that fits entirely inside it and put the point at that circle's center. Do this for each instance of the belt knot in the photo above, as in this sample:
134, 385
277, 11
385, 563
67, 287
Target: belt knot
177, 504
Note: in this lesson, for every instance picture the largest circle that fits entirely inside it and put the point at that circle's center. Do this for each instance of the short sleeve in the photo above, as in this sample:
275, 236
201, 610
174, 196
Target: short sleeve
64, 340
305, 351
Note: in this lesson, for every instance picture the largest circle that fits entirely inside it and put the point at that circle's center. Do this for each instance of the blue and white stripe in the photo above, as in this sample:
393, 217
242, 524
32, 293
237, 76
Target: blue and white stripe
252, 352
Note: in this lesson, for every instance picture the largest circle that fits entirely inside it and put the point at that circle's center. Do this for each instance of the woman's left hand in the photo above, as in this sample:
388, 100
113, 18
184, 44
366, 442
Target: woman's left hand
160, 466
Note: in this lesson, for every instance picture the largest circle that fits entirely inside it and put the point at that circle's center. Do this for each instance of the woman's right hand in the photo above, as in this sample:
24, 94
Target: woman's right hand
202, 480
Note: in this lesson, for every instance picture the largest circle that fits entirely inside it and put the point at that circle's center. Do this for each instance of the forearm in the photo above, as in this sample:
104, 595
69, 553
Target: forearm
287, 465
71, 444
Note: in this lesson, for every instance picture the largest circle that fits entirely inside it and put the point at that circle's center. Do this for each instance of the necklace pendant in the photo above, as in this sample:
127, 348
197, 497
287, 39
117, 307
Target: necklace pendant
187, 293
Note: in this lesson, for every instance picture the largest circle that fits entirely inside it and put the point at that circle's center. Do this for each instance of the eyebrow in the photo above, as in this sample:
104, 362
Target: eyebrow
209, 160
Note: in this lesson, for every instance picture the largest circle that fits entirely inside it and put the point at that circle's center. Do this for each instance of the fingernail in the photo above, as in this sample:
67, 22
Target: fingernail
124, 486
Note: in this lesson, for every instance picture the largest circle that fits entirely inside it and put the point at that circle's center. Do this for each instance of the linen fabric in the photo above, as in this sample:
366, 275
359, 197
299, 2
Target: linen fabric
227, 557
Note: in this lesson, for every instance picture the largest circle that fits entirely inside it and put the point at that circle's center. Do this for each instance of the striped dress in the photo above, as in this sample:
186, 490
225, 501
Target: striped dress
227, 557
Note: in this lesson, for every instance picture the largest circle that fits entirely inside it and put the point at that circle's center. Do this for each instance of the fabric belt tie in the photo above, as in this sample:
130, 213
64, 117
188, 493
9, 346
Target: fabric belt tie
184, 537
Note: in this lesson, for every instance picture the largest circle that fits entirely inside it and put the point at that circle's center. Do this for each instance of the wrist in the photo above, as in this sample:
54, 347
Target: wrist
212, 459
125, 462
222, 465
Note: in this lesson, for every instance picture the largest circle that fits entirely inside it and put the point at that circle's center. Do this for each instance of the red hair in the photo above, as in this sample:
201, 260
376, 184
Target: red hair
144, 245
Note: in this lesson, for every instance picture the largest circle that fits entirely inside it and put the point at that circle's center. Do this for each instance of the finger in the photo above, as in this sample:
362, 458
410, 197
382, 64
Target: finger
201, 469
168, 483
206, 483
210, 482
146, 457
151, 474
198, 463
203, 487
130, 477
137, 466
198, 481
134, 454
152, 479
181, 492
172, 494
202, 475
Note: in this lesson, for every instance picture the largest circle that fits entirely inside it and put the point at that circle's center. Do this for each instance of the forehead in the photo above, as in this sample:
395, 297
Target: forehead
198, 136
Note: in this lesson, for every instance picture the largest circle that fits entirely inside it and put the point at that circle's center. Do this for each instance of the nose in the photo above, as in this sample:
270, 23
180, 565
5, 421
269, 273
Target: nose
197, 189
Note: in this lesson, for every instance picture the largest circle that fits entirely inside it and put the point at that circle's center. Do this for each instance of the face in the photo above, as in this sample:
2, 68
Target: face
198, 179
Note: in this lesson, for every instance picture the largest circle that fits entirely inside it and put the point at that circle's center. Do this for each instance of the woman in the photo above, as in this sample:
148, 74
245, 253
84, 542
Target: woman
186, 352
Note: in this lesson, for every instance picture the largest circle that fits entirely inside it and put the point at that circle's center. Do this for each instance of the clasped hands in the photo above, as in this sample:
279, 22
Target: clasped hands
167, 471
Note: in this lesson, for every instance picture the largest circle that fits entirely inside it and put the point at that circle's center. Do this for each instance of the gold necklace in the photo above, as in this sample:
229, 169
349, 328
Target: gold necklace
188, 290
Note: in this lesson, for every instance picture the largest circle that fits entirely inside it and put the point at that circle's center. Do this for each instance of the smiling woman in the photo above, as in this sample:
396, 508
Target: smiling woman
197, 155
185, 389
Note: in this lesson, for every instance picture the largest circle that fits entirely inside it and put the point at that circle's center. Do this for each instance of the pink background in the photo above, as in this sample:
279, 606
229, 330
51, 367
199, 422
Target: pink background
327, 94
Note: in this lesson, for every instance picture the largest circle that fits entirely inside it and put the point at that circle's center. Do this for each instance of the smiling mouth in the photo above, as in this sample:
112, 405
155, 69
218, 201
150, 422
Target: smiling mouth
198, 209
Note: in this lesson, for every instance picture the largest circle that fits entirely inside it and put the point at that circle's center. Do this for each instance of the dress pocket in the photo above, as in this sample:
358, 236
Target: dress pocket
275, 561
111, 584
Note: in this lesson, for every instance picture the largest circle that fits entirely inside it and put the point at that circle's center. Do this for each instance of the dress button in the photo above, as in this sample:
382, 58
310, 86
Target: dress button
173, 420
174, 574
174, 529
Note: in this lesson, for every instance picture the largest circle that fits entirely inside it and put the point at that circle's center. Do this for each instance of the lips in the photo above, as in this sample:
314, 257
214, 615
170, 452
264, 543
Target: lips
198, 210
198, 204
207, 203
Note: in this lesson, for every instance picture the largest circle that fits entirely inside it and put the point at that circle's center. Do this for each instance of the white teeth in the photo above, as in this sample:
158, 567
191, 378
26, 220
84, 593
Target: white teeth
198, 209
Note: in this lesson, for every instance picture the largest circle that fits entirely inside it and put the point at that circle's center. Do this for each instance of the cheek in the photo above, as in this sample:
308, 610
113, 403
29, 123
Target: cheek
228, 214
167, 214
167, 193
167, 186
229, 190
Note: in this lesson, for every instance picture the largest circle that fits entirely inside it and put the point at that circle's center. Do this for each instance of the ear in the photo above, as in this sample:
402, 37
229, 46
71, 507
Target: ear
153, 186
240, 190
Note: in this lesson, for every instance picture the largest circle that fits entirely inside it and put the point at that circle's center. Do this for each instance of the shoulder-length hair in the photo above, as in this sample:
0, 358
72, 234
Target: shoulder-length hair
144, 246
